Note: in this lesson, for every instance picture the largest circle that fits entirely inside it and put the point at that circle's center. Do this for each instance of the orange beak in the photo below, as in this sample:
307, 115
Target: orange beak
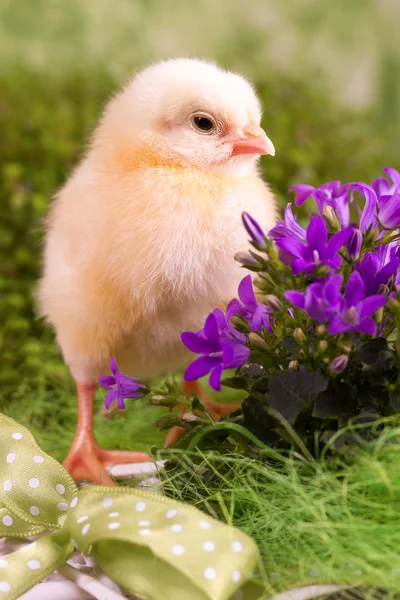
254, 141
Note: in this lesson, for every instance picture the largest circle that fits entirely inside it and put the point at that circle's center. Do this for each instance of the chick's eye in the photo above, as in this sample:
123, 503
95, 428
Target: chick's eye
203, 123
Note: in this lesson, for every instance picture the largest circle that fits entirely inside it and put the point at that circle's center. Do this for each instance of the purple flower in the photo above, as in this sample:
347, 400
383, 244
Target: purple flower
253, 229
356, 311
383, 187
220, 346
389, 213
121, 386
384, 208
354, 244
320, 300
377, 267
317, 249
288, 228
332, 194
257, 315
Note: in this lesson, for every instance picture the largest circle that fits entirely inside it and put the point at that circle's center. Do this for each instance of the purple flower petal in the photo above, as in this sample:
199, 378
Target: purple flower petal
246, 292
240, 355
368, 217
197, 344
295, 298
291, 245
367, 326
333, 287
302, 193
233, 308
337, 241
354, 290
200, 367
113, 366
107, 381
111, 396
338, 326
215, 378
292, 224
389, 214
260, 318
394, 175
317, 234
371, 305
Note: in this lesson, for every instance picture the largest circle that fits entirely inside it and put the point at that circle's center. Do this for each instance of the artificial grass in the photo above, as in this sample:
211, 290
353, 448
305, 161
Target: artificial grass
320, 522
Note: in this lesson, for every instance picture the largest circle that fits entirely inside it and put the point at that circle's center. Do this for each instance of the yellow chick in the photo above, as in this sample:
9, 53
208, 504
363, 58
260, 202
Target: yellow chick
141, 238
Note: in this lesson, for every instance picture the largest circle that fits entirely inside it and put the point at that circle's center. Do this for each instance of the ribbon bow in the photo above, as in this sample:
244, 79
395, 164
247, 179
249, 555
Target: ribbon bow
152, 546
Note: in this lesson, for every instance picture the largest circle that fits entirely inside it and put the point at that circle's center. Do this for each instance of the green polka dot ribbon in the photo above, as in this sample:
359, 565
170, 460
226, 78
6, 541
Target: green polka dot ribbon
152, 546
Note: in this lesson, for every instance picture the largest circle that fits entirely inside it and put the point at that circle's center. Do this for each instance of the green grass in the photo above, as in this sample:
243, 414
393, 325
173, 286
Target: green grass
314, 522
51, 415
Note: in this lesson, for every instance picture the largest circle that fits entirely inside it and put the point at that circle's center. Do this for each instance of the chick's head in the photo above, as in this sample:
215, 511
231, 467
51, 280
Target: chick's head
193, 112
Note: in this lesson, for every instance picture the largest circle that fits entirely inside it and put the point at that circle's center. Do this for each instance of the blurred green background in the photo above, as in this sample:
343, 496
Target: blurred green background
328, 74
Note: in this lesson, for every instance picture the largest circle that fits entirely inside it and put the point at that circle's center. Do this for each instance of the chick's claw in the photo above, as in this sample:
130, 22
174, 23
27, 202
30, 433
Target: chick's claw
87, 461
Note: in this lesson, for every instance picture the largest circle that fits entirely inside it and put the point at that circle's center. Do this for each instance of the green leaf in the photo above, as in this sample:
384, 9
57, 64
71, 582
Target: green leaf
293, 392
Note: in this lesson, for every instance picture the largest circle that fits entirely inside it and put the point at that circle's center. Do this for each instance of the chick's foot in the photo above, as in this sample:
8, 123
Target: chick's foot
86, 460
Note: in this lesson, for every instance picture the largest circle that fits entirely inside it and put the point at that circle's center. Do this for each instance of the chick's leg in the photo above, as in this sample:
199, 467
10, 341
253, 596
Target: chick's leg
85, 459
215, 409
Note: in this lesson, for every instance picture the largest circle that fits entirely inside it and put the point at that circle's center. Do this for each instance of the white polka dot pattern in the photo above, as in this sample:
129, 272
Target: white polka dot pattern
34, 483
11, 457
210, 573
34, 565
4, 586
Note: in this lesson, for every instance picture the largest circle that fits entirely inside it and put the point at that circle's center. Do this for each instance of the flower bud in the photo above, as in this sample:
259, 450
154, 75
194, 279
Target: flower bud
189, 417
322, 346
253, 229
321, 330
257, 341
347, 348
394, 305
339, 364
379, 315
331, 218
354, 244
273, 302
294, 365
246, 260
159, 400
299, 336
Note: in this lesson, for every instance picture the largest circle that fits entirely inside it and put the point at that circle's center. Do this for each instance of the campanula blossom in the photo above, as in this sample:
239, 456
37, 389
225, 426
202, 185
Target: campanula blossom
377, 267
288, 228
354, 244
356, 310
320, 301
121, 386
257, 315
317, 249
220, 347
333, 194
